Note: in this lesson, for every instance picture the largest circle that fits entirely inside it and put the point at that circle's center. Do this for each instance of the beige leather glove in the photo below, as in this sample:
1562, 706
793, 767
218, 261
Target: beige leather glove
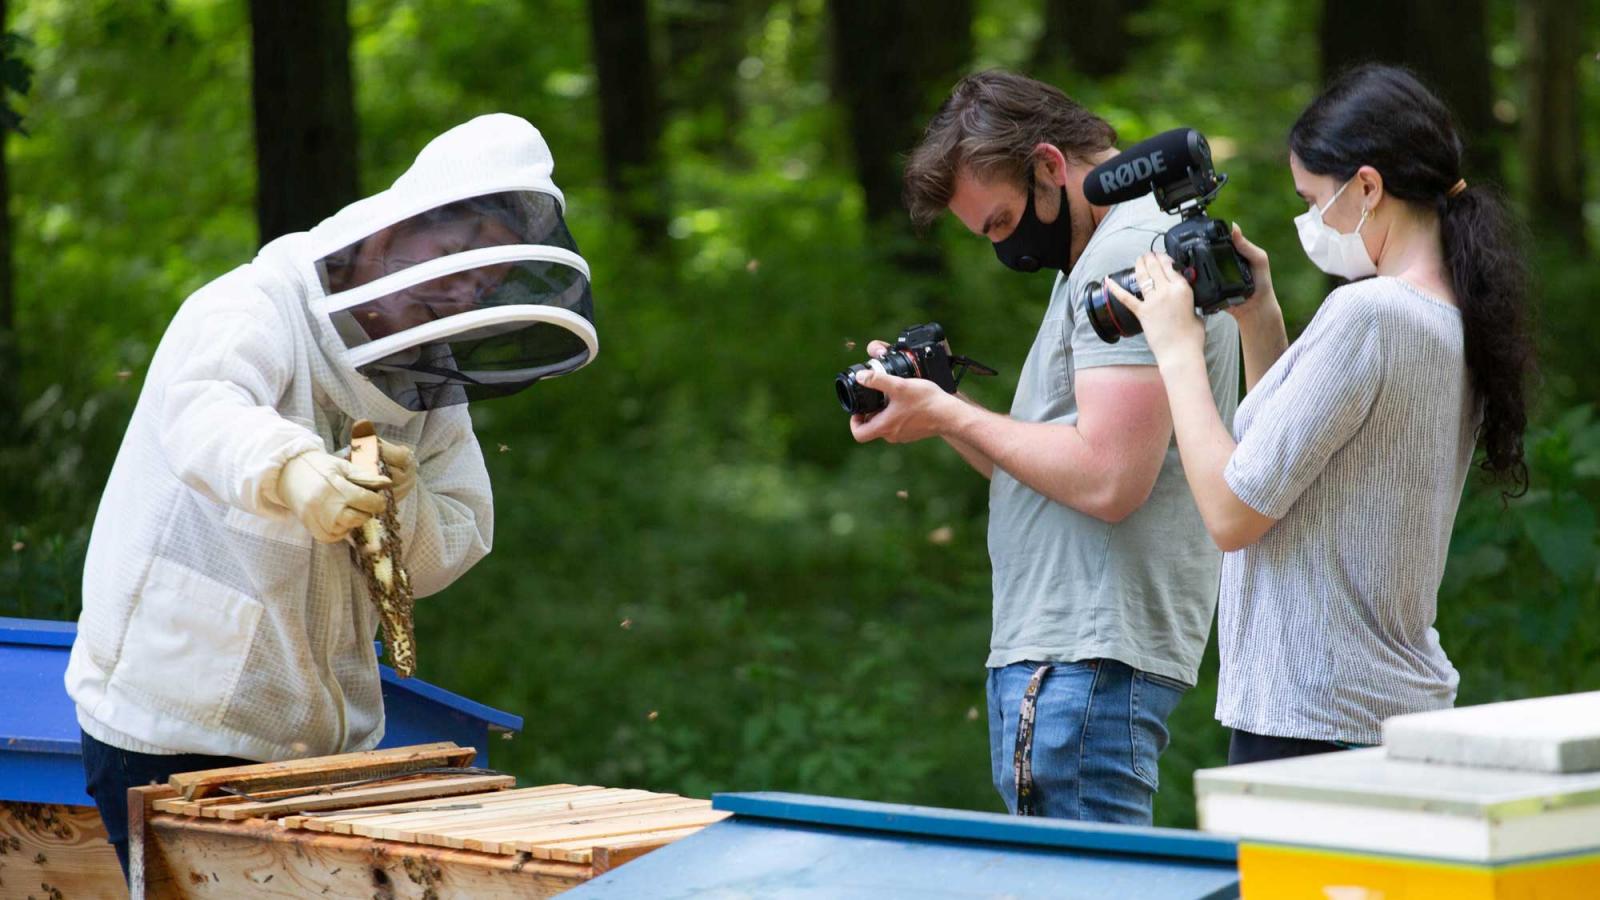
321, 490
402, 463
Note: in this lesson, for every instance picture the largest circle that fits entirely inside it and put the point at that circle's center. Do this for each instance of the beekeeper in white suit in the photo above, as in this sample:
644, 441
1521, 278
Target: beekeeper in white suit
223, 616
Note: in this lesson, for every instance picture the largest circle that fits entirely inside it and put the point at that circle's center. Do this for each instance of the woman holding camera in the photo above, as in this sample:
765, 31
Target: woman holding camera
1335, 495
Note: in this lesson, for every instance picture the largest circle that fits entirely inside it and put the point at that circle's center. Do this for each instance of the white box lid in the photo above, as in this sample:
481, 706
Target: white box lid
1558, 734
1369, 778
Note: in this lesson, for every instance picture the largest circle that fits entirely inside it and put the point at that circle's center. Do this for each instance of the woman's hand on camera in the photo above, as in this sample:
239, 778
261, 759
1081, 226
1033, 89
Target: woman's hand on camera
1167, 310
1264, 301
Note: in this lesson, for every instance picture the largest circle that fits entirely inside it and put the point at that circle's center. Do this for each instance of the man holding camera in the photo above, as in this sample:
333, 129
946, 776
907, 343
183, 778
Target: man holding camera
1105, 581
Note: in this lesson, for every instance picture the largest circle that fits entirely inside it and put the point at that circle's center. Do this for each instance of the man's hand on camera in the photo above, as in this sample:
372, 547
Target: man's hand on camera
917, 408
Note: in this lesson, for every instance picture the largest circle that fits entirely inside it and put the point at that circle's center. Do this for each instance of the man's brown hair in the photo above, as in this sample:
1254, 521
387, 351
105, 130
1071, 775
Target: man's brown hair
989, 127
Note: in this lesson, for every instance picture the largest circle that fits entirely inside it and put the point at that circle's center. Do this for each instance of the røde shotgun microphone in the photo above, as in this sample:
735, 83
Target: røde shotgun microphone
1175, 164
1176, 167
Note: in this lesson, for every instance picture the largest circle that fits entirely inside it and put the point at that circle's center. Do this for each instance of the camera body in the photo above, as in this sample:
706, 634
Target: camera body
1185, 181
920, 351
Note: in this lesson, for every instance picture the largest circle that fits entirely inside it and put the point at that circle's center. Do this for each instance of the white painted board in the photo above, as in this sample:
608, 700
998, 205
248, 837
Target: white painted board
1362, 800
1545, 734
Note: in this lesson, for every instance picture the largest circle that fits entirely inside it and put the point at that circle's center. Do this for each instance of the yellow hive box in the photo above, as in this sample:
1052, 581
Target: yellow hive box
1283, 872
1415, 820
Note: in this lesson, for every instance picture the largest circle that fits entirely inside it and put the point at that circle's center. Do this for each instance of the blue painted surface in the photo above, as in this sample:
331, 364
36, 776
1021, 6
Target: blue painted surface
40, 754
43, 777
494, 718
980, 826
41, 632
794, 847
31, 716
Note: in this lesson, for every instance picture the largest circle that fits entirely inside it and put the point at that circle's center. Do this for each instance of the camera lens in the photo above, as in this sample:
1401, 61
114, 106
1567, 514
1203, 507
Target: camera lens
1111, 320
851, 394
857, 399
853, 397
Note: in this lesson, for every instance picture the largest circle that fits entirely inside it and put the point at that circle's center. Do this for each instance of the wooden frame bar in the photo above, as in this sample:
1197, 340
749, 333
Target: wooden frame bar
319, 827
176, 856
319, 770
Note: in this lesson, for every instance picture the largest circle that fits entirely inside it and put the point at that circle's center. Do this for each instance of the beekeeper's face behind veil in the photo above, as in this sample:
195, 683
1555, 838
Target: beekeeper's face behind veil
463, 297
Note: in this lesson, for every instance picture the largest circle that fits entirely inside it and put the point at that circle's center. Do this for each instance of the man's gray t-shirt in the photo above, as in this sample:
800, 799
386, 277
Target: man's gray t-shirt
1068, 586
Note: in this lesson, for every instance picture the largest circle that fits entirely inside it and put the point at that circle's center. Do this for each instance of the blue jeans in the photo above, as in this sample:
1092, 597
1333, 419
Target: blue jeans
1099, 729
108, 773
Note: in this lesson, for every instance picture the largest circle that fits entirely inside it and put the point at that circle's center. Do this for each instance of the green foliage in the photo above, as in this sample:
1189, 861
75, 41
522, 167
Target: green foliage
16, 77
1523, 584
792, 622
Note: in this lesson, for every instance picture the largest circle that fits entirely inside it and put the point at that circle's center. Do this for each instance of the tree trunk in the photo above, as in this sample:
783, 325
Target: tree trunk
305, 115
1091, 36
1445, 42
893, 62
630, 114
1551, 33
10, 371
705, 43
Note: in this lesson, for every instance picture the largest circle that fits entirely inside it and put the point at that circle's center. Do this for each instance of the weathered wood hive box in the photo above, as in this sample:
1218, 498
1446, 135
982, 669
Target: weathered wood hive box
52, 851
52, 843
411, 822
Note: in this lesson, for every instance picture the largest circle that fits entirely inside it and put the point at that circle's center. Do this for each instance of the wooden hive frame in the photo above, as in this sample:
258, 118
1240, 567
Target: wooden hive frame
322, 770
323, 828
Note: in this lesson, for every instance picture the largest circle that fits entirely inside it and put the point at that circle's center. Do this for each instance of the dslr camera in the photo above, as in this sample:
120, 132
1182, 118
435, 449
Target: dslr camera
1176, 166
921, 351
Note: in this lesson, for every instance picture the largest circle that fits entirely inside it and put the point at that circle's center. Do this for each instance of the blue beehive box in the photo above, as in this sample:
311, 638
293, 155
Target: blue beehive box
796, 847
40, 756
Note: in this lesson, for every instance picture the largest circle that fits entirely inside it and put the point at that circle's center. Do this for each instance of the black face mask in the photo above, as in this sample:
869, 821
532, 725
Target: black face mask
1034, 245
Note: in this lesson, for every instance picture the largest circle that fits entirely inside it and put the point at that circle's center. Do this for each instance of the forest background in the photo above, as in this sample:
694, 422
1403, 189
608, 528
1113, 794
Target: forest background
699, 581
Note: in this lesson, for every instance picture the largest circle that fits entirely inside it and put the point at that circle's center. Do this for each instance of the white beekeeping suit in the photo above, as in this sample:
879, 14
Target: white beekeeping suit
212, 621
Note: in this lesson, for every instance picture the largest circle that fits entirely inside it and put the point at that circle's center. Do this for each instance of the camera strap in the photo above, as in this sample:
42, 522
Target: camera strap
961, 365
1022, 757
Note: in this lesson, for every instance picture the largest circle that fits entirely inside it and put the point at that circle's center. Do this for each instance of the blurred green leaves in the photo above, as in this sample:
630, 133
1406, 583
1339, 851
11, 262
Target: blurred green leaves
16, 77
791, 624
1518, 607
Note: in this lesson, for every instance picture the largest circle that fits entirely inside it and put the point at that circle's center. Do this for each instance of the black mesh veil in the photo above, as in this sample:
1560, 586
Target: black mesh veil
500, 301
488, 360
489, 220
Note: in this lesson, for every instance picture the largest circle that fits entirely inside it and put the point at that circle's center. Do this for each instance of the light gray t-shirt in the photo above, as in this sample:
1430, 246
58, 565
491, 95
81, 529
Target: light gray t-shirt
1358, 441
1068, 586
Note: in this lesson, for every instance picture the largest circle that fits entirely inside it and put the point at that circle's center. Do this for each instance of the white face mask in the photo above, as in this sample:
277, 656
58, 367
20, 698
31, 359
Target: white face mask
1340, 255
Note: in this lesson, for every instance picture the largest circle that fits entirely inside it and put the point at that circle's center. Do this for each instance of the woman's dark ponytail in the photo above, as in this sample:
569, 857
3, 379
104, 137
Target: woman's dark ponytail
1382, 116
1483, 250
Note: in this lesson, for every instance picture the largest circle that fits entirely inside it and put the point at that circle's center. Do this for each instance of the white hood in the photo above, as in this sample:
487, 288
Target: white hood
487, 155
531, 304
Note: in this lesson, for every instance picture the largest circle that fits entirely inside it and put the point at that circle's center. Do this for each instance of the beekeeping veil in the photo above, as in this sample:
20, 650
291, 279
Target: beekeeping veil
461, 281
